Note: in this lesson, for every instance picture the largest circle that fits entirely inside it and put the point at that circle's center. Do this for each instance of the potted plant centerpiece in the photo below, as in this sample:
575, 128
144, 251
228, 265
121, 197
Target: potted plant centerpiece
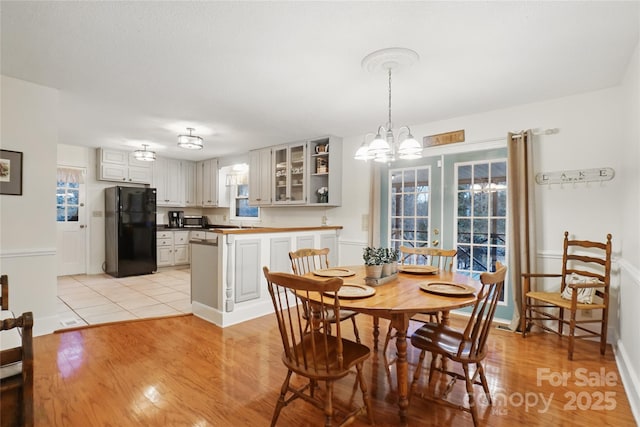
386, 255
373, 262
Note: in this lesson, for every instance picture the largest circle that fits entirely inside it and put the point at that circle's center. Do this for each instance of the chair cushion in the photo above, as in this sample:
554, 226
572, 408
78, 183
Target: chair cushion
556, 298
10, 370
585, 295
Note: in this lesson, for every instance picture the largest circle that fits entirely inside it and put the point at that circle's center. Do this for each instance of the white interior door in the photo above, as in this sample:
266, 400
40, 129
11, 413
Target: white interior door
71, 221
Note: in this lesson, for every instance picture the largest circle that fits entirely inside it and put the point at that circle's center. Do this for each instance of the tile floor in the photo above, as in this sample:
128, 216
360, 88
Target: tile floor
100, 298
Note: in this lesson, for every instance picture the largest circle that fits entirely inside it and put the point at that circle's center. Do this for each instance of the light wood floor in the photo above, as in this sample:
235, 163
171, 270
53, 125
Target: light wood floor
184, 371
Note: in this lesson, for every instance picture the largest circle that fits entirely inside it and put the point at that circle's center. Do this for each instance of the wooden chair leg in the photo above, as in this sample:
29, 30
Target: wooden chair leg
483, 380
387, 338
355, 329
376, 332
328, 404
472, 402
365, 393
416, 374
523, 318
603, 331
572, 331
560, 318
281, 400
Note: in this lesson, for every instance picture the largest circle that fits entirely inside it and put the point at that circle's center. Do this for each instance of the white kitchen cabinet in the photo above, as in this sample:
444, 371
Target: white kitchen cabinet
207, 183
164, 248
168, 181
172, 248
306, 173
247, 270
325, 171
121, 166
289, 174
260, 177
189, 176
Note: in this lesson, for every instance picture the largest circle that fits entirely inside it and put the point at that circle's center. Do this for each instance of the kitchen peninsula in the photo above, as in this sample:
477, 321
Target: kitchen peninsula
227, 284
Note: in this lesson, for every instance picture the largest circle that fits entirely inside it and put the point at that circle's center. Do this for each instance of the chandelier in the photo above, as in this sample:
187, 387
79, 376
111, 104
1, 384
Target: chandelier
385, 147
144, 155
191, 141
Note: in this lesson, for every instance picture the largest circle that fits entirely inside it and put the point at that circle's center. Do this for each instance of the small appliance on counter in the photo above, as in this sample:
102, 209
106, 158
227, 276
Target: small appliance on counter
176, 219
194, 221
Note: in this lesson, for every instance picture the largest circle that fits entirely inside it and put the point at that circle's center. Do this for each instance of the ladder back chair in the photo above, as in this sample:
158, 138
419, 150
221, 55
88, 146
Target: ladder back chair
435, 257
584, 285
465, 347
16, 371
314, 353
307, 260
4, 292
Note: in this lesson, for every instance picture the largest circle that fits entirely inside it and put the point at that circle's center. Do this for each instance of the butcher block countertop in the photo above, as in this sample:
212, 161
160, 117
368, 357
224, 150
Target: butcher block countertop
255, 230
232, 229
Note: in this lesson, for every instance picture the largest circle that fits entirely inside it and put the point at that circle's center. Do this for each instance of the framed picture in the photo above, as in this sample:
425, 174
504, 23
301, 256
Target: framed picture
11, 172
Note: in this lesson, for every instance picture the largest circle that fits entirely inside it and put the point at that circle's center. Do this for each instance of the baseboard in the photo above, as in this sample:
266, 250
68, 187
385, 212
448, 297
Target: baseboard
241, 313
629, 378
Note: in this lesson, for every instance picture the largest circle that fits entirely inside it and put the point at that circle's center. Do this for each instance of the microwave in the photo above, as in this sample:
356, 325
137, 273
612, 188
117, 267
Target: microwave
192, 221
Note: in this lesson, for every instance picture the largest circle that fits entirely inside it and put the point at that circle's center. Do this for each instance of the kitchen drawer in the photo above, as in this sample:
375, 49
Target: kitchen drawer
164, 242
198, 235
164, 235
181, 237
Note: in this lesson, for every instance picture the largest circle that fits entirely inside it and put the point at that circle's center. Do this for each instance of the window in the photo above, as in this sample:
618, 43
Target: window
240, 204
68, 194
410, 194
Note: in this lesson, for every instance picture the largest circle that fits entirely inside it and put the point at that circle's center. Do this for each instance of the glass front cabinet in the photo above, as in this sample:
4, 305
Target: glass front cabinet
307, 173
290, 174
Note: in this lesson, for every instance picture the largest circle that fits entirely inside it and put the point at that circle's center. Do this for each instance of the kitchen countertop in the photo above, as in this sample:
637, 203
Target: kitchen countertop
226, 229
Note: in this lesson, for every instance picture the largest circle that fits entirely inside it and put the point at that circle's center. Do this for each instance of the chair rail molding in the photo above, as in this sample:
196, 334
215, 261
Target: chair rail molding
20, 253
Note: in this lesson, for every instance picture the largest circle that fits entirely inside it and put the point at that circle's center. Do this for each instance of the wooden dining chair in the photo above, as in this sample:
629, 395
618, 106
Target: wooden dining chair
16, 372
315, 353
4, 292
466, 346
307, 260
436, 257
584, 285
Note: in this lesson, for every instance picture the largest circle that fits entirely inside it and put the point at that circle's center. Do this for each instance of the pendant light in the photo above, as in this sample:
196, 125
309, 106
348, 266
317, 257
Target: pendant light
385, 146
144, 155
191, 141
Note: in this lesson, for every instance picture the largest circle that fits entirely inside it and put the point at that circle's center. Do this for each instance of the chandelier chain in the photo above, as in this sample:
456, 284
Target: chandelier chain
389, 124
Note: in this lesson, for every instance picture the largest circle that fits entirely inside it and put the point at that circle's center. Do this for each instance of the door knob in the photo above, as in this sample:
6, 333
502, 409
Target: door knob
82, 226
435, 242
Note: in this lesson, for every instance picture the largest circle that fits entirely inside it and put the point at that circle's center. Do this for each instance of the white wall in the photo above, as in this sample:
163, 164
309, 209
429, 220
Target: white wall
596, 129
627, 332
28, 222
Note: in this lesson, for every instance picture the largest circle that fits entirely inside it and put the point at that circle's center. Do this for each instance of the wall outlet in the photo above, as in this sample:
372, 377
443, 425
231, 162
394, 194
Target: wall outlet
324, 220
224, 218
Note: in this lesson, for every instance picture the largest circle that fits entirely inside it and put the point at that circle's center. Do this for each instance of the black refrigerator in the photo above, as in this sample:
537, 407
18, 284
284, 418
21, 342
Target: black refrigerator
130, 230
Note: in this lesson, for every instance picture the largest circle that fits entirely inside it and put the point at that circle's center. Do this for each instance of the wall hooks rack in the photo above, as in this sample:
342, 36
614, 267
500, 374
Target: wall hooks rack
575, 176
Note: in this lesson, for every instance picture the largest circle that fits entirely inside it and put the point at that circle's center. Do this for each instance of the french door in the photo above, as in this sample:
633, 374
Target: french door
452, 201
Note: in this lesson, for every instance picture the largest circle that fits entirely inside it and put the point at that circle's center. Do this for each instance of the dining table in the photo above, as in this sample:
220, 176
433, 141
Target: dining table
398, 298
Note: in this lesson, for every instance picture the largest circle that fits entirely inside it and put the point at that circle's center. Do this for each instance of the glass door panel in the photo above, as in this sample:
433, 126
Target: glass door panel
297, 194
281, 171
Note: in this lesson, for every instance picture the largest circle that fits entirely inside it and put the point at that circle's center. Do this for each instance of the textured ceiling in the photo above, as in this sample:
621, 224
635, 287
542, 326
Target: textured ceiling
247, 74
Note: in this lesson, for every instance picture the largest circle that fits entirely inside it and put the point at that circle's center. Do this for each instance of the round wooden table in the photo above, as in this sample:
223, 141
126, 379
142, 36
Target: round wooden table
398, 300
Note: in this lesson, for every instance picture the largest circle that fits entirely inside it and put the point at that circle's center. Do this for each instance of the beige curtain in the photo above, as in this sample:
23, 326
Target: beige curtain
522, 253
